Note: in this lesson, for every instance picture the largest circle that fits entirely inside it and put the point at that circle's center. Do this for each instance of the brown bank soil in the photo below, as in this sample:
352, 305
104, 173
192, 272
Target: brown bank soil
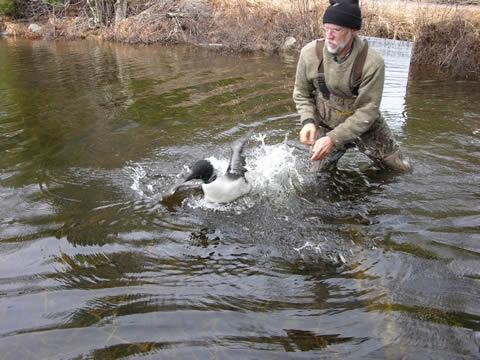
446, 36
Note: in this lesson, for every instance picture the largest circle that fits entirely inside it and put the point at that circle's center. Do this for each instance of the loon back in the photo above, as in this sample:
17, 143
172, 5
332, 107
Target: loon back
226, 189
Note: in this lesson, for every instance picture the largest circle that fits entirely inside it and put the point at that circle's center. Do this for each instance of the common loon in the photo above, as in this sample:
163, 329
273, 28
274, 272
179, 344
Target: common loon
227, 187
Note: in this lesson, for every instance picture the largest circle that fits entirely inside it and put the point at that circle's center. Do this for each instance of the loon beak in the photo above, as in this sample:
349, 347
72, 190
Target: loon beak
174, 188
181, 183
192, 176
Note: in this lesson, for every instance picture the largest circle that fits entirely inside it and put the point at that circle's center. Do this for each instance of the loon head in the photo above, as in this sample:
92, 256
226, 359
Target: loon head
202, 170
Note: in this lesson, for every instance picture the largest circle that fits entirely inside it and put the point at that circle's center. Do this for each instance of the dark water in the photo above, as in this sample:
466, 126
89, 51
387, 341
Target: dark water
353, 264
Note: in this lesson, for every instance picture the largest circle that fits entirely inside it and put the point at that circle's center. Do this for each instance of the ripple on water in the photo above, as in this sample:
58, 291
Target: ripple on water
96, 263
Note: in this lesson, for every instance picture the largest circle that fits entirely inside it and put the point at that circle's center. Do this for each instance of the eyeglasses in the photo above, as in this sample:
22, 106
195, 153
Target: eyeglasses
334, 30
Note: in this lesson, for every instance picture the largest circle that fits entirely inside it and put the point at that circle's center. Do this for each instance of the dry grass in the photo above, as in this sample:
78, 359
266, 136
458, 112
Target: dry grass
68, 28
453, 46
384, 20
446, 36
256, 25
235, 25
19, 29
152, 25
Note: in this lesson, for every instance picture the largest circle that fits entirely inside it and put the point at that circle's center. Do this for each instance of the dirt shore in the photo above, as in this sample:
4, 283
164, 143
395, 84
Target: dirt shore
446, 36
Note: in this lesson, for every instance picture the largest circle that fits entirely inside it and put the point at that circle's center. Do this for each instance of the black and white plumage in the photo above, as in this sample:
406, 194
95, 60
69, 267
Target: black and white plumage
227, 187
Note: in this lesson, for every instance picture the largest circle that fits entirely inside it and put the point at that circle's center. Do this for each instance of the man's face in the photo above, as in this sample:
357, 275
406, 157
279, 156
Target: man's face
337, 37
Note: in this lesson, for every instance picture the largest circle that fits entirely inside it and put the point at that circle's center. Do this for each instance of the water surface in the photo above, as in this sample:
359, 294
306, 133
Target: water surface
94, 264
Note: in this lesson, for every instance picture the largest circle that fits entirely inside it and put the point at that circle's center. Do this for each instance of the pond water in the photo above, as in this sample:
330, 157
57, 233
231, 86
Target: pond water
96, 264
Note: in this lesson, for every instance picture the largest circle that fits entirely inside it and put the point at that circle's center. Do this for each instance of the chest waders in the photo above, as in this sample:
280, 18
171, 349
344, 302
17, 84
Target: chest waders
377, 142
333, 109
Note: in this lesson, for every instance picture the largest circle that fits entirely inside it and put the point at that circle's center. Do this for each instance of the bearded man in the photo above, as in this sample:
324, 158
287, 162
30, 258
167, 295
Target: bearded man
338, 90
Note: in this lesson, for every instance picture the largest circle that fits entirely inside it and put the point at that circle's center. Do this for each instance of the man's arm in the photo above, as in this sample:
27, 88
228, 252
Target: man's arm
305, 103
303, 95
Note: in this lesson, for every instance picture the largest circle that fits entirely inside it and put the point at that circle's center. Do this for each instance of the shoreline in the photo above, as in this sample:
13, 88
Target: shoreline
445, 36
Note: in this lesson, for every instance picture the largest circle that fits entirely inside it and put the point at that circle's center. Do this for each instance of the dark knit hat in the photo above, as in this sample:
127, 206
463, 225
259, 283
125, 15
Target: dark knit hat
344, 13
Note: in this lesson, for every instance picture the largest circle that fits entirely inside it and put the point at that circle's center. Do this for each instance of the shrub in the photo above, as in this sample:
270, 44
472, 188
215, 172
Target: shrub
8, 8
452, 44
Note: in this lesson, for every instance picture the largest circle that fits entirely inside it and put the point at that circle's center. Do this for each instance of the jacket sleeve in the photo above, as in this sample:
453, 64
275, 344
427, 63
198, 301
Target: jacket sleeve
367, 107
303, 94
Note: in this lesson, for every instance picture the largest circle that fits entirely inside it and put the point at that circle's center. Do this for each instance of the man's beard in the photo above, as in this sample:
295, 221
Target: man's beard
339, 47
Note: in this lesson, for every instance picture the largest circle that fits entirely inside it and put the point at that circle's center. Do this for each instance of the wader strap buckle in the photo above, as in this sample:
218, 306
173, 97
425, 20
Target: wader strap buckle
344, 112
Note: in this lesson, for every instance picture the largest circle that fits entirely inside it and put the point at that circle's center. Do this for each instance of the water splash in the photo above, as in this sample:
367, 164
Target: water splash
321, 251
317, 248
272, 169
137, 174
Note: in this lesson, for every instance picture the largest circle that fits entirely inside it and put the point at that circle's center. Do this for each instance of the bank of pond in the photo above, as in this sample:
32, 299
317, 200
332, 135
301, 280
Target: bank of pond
445, 36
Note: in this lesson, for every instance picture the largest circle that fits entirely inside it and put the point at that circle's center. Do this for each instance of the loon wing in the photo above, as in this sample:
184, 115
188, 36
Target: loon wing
236, 167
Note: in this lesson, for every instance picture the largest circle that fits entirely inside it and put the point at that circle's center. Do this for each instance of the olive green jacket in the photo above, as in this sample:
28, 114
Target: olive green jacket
366, 106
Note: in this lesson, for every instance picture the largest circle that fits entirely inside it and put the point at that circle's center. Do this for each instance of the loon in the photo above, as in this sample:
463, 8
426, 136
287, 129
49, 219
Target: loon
227, 187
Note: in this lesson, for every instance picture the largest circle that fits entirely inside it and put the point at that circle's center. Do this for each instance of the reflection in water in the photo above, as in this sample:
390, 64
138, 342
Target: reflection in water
355, 263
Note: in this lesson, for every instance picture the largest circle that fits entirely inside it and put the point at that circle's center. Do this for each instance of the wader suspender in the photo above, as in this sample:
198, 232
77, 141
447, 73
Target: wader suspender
355, 77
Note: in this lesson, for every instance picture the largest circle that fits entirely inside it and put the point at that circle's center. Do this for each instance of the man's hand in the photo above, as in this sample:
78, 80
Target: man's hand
308, 133
322, 148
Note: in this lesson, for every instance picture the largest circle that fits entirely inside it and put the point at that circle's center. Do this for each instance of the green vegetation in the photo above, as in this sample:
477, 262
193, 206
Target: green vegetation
7, 8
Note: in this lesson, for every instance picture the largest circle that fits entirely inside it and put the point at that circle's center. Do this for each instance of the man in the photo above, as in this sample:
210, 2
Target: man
338, 90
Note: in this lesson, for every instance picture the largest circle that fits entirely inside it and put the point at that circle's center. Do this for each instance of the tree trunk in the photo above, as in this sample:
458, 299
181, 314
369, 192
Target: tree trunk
120, 10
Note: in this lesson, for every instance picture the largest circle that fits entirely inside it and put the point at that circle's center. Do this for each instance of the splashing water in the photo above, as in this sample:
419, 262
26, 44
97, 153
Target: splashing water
271, 169
308, 245
136, 173
321, 251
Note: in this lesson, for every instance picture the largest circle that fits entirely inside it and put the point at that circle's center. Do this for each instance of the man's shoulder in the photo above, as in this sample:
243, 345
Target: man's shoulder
310, 47
374, 57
